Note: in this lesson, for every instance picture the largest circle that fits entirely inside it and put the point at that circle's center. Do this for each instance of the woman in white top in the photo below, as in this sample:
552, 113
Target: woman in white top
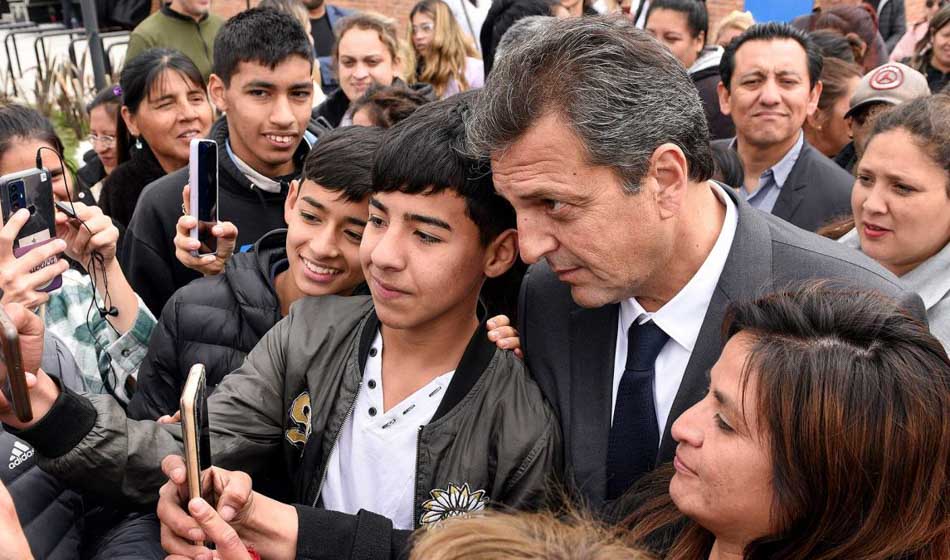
443, 56
901, 202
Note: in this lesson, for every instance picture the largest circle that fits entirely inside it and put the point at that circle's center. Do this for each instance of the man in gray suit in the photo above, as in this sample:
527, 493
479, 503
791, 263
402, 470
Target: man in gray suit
598, 139
770, 85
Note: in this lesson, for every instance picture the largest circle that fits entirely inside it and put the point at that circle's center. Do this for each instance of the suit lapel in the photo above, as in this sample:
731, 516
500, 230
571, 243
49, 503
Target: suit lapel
793, 192
747, 273
593, 342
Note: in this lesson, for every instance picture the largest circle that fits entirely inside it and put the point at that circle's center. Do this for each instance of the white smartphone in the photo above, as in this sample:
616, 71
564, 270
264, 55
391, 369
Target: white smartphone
203, 178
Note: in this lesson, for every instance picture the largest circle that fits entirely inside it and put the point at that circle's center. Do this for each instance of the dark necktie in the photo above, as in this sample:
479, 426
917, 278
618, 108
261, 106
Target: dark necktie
634, 436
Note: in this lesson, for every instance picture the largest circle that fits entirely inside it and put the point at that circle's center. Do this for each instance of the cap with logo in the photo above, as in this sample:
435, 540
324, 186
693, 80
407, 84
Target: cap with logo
892, 83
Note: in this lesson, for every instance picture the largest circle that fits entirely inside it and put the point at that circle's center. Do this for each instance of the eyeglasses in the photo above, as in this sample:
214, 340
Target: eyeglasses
423, 27
105, 141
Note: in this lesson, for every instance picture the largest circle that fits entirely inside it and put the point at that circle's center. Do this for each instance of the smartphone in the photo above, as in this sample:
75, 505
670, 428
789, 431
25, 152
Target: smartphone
66, 209
31, 189
203, 178
14, 386
195, 431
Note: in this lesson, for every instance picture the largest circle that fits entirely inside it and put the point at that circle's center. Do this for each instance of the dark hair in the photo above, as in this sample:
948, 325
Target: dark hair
425, 154
856, 21
342, 161
833, 44
109, 98
771, 32
729, 169
618, 89
927, 120
388, 105
501, 16
697, 17
835, 76
852, 398
19, 122
262, 35
139, 76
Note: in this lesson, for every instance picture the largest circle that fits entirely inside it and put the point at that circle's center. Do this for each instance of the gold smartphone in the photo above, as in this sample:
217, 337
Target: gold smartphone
195, 431
14, 386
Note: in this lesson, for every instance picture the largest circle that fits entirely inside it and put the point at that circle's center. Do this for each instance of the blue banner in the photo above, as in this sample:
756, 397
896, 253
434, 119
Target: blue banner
778, 10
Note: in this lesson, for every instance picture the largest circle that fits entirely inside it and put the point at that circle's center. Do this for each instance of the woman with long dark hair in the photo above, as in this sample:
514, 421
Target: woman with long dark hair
824, 436
933, 52
164, 106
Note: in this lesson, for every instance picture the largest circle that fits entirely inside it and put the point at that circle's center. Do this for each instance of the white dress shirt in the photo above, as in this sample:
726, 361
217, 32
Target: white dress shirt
373, 465
680, 318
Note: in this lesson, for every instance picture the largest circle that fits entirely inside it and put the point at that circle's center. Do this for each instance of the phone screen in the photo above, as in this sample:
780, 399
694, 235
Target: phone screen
207, 178
204, 431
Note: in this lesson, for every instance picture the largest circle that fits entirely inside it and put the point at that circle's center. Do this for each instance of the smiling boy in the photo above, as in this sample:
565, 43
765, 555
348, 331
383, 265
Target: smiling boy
262, 80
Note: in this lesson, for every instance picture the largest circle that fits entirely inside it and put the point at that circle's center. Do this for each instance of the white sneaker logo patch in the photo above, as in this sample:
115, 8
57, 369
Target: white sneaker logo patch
19, 454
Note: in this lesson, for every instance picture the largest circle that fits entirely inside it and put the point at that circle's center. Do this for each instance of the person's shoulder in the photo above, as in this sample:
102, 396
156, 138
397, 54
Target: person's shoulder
723, 142
150, 25
339, 11
801, 255
333, 311
833, 177
166, 190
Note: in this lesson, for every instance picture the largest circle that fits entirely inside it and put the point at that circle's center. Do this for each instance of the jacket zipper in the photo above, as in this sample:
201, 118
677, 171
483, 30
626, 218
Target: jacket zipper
326, 463
415, 506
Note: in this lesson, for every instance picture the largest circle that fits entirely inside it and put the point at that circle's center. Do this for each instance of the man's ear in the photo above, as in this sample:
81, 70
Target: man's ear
501, 254
723, 99
217, 90
669, 172
292, 194
129, 119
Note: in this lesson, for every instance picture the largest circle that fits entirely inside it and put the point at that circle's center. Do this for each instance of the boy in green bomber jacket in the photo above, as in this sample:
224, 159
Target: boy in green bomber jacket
390, 413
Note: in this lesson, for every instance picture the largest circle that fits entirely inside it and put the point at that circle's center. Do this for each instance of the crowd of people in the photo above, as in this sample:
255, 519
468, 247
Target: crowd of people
525, 279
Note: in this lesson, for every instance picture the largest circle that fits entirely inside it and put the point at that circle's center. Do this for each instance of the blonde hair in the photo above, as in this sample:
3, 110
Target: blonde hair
445, 59
370, 21
734, 20
523, 536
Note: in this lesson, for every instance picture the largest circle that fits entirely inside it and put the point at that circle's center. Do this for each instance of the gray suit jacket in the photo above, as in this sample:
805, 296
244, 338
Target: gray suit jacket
570, 350
816, 192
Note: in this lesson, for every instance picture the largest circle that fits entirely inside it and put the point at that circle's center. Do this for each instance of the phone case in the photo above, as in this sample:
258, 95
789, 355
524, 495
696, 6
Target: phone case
193, 181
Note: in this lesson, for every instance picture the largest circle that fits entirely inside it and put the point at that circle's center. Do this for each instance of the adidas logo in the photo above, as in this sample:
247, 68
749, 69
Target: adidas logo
19, 454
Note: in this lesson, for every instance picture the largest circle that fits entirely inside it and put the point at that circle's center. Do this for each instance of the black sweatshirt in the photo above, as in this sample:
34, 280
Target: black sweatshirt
148, 252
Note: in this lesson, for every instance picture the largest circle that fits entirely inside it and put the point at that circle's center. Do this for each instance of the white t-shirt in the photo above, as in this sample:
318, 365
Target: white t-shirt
373, 465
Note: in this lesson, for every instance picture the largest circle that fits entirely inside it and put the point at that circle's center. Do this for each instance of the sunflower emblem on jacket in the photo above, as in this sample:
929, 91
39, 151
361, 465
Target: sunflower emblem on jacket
454, 501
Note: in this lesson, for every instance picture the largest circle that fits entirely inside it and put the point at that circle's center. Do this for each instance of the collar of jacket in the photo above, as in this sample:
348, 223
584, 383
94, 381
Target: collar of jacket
221, 134
478, 354
167, 10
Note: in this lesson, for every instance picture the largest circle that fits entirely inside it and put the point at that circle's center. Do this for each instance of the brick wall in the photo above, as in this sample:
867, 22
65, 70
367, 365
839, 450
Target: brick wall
400, 8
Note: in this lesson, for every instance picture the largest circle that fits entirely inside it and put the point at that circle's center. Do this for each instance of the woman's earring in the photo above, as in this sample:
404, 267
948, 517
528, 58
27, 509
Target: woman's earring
138, 143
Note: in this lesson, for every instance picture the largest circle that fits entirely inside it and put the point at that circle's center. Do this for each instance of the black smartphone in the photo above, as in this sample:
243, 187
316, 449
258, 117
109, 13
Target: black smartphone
31, 189
66, 209
203, 178
196, 432
14, 386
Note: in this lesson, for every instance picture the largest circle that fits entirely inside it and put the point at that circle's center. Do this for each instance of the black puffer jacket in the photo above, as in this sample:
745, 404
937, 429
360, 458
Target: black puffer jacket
215, 321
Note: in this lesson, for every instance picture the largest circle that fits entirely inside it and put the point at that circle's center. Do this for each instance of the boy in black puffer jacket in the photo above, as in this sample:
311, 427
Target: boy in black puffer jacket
216, 320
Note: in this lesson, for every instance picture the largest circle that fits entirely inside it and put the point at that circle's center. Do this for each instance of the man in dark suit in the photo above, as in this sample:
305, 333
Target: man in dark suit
635, 253
770, 84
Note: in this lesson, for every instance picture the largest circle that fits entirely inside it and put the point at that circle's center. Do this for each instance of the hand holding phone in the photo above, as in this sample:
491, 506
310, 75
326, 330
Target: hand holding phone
15, 390
23, 279
31, 190
203, 180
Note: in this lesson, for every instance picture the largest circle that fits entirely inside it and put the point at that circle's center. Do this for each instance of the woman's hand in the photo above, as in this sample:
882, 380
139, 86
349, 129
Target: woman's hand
91, 231
504, 335
20, 279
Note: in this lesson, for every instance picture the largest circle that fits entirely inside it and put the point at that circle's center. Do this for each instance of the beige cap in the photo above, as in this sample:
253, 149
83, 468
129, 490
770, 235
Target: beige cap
892, 83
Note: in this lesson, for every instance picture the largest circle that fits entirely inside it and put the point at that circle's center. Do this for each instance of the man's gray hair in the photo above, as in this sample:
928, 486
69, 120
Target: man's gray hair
622, 92
520, 31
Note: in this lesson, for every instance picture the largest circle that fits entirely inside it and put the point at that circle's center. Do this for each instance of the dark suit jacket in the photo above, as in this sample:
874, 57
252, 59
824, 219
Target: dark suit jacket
816, 192
570, 350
